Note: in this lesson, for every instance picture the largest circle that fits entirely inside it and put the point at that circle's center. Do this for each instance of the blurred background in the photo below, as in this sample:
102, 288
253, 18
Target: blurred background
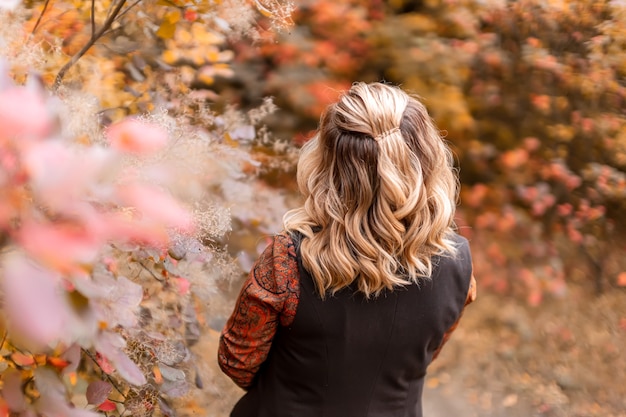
530, 94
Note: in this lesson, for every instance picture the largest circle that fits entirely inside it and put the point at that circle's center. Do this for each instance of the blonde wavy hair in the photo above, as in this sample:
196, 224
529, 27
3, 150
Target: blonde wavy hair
380, 193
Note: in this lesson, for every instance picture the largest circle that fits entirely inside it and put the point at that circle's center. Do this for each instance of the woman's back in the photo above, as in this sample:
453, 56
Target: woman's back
350, 356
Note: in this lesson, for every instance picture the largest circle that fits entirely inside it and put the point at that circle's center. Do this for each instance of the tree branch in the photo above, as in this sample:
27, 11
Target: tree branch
107, 24
45, 7
107, 376
128, 8
93, 18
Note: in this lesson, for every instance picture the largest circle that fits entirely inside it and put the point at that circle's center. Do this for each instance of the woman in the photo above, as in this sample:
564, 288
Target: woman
344, 311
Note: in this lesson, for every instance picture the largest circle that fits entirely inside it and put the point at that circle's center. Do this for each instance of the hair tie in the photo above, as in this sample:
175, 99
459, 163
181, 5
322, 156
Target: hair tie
386, 133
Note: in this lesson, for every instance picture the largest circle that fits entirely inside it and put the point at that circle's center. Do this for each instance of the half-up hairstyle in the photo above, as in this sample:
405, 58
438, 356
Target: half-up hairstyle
380, 193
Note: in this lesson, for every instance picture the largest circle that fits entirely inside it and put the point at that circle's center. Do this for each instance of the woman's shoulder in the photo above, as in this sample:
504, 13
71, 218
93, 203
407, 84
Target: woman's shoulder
462, 259
285, 242
458, 240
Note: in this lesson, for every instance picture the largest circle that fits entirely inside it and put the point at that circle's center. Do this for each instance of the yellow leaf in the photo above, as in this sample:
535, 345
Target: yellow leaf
202, 36
205, 79
168, 26
228, 140
40, 359
213, 55
262, 9
173, 16
166, 30
158, 377
197, 56
170, 56
183, 36
73, 378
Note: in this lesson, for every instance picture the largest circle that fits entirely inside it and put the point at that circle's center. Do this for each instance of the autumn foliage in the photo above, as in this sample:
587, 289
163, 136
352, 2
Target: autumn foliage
530, 94
115, 198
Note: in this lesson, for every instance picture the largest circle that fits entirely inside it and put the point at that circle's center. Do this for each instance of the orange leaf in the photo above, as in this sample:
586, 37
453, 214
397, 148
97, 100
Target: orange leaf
22, 359
621, 279
158, 378
57, 362
4, 409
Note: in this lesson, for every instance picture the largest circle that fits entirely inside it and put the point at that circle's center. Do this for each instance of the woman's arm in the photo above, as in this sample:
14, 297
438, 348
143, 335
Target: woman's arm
269, 297
471, 296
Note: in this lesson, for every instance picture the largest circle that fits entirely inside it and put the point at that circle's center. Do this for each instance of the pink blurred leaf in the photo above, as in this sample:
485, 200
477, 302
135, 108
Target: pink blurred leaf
62, 176
62, 246
114, 300
132, 231
53, 396
156, 206
23, 113
104, 364
110, 345
182, 285
12, 390
9, 4
72, 355
48, 382
31, 294
98, 392
129, 370
134, 136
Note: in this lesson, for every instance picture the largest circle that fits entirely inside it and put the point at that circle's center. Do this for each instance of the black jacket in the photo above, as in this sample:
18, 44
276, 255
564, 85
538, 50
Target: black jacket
347, 356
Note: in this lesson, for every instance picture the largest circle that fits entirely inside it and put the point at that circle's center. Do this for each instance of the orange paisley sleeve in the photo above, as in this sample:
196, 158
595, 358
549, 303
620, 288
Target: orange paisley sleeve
268, 298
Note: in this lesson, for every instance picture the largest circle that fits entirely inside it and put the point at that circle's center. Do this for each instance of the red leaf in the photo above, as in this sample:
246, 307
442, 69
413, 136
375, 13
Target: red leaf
107, 405
97, 392
190, 15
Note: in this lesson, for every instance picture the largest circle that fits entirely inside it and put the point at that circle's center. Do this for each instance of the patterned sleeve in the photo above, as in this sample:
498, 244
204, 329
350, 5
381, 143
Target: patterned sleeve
268, 298
471, 296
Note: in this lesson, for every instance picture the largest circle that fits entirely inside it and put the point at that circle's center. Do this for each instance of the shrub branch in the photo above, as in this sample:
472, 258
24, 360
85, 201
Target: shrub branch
94, 38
